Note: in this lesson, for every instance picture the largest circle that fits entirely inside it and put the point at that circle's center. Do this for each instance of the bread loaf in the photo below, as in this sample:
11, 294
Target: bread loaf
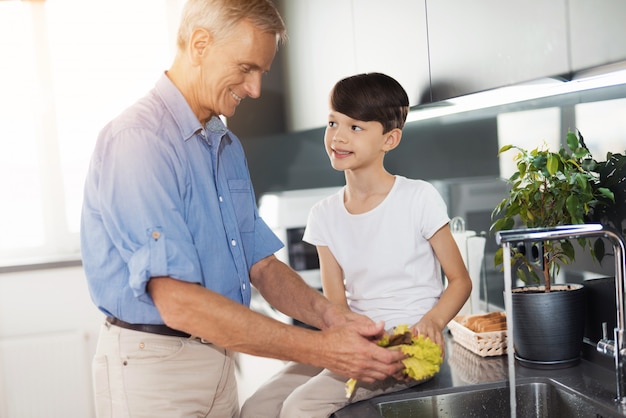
489, 322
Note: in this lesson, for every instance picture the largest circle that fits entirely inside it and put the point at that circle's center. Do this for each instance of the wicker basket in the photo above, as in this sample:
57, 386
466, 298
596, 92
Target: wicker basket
485, 344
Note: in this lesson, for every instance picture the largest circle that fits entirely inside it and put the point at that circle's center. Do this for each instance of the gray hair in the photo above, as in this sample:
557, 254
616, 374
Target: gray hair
220, 17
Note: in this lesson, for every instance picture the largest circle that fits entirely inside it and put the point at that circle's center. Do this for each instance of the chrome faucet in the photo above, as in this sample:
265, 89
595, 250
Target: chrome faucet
615, 348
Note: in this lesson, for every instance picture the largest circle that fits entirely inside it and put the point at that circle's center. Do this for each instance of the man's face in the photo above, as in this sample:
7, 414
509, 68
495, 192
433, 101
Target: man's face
232, 69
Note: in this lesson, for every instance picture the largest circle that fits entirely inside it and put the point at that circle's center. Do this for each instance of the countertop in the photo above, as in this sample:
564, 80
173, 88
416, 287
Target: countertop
462, 369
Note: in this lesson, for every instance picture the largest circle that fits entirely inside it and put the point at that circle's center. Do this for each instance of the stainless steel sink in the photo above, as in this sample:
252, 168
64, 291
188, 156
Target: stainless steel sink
533, 399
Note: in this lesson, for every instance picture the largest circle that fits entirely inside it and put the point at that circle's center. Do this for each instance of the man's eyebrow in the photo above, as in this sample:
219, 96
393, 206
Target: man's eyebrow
255, 67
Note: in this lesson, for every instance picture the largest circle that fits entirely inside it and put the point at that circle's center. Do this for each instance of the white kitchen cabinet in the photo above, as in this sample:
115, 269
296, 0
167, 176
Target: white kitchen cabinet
480, 45
597, 32
48, 333
333, 39
440, 49
393, 40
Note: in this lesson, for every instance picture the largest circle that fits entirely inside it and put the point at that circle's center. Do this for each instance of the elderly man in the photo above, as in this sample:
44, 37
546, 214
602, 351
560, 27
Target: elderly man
172, 240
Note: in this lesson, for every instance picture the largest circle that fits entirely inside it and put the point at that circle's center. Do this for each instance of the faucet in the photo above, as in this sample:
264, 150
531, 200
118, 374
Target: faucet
615, 348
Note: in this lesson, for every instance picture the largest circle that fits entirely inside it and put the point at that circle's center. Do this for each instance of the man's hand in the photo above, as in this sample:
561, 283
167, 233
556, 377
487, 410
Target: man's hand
353, 353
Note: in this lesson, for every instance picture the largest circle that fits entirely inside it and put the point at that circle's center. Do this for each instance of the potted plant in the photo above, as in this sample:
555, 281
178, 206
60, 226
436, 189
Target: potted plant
547, 190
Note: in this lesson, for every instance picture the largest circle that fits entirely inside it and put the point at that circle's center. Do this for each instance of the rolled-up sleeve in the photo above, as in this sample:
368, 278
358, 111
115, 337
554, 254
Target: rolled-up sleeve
161, 257
266, 242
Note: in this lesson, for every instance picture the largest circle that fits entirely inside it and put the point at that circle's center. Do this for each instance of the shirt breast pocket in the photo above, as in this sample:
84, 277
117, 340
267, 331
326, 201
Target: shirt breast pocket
243, 202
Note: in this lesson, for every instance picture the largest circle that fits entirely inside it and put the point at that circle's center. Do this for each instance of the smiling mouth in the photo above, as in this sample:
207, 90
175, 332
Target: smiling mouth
237, 98
339, 153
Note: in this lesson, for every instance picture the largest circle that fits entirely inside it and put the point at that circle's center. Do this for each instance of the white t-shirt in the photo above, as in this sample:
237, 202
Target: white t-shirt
390, 270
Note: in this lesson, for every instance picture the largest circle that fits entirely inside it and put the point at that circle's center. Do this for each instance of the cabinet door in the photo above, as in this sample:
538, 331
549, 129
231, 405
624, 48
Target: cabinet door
332, 39
483, 44
319, 51
597, 32
391, 38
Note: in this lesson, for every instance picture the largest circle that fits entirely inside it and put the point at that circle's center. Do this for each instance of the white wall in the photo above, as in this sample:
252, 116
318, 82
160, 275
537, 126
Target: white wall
48, 332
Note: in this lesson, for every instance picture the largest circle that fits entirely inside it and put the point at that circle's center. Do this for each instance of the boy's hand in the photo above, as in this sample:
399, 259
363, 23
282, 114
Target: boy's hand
429, 329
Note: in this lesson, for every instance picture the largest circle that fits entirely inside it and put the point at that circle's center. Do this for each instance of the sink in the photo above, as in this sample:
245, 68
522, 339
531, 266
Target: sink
533, 399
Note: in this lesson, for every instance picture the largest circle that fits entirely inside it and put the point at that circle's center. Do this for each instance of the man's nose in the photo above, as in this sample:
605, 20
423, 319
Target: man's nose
253, 85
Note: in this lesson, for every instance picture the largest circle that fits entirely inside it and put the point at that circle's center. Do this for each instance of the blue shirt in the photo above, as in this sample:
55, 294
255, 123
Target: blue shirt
165, 196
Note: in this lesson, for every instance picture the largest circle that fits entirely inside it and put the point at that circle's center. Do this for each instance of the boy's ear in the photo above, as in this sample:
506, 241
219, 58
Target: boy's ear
392, 139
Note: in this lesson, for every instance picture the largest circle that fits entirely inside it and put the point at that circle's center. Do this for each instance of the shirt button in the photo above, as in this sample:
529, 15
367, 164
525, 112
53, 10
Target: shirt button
156, 235
221, 199
233, 242
243, 286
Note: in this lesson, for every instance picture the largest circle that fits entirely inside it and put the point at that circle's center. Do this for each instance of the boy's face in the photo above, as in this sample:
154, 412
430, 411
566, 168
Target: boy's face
353, 144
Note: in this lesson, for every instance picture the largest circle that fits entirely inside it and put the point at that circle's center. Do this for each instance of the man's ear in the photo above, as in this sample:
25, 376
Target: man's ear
392, 139
198, 44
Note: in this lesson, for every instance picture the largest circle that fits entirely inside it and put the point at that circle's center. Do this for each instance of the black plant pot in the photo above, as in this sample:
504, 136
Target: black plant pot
548, 328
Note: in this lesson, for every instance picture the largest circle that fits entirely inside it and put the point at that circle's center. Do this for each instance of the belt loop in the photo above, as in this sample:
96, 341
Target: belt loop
198, 339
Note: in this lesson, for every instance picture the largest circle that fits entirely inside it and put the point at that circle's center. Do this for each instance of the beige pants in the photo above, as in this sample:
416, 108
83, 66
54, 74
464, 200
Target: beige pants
137, 375
303, 391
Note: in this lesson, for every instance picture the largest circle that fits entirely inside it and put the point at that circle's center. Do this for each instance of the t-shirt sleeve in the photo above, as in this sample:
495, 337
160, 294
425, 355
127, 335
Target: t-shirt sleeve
314, 232
434, 211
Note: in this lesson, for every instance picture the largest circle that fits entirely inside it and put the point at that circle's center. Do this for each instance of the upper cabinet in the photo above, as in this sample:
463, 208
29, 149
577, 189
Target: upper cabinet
393, 40
480, 45
439, 49
333, 39
597, 32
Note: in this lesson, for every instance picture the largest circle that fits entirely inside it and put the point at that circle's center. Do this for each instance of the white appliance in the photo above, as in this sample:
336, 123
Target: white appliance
286, 213
472, 248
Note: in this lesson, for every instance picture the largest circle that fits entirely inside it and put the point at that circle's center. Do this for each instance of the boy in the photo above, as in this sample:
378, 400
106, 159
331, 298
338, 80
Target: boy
382, 242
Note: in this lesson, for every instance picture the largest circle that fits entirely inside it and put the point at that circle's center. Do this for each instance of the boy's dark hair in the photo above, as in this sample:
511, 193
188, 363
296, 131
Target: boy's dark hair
371, 97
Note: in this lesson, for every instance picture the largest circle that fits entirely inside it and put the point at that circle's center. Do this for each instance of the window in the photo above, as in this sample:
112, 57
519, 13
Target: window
68, 67
527, 129
603, 126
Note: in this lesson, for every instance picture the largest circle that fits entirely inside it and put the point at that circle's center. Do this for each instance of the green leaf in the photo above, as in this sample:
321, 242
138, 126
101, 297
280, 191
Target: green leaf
573, 206
508, 224
533, 278
589, 164
568, 250
552, 164
598, 249
498, 258
581, 152
540, 161
606, 193
582, 181
505, 148
572, 141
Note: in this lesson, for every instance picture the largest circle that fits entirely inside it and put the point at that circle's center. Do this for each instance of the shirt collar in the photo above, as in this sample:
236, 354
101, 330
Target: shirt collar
216, 126
180, 110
